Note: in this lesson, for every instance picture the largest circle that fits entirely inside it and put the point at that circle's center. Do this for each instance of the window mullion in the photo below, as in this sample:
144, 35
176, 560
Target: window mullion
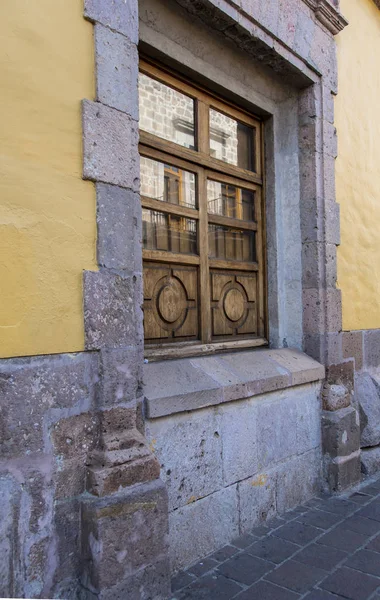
204, 262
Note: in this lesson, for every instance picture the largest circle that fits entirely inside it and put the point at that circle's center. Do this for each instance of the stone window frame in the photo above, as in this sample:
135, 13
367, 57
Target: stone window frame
113, 294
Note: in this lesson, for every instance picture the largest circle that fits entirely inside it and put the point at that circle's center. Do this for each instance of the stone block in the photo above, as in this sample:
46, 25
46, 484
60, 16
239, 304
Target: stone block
75, 436
117, 64
330, 139
110, 146
70, 477
372, 348
121, 374
328, 104
308, 417
257, 499
304, 32
329, 178
297, 480
238, 430
343, 472
370, 461
367, 394
122, 469
203, 527
123, 533
313, 321
119, 222
333, 304
277, 434
37, 389
287, 21
67, 530
302, 368
189, 451
340, 432
9, 499
258, 374
342, 374
335, 396
319, 264
352, 347
119, 15
168, 389
147, 583
332, 223
112, 310
322, 53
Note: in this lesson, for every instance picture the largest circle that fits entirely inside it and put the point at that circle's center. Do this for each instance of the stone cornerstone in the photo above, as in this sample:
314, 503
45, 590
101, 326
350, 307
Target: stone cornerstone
84, 511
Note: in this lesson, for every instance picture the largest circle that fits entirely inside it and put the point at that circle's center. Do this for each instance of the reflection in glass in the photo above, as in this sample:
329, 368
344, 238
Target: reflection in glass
231, 244
231, 141
166, 112
167, 183
230, 201
169, 232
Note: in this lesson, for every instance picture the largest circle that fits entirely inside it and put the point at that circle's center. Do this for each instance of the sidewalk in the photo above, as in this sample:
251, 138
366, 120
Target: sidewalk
326, 549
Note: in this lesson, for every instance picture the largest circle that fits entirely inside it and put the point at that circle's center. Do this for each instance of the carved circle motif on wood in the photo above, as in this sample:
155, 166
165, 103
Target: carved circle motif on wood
234, 304
170, 303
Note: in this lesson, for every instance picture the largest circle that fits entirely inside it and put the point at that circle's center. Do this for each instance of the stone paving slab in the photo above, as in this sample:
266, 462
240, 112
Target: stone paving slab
326, 549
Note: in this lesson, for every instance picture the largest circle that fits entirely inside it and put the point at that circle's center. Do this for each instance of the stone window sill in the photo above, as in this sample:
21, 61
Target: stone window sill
187, 384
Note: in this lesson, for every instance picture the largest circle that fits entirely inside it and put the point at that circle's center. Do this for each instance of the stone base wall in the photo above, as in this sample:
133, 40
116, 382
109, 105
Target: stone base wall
59, 509
48, 428
364, 348
230, 467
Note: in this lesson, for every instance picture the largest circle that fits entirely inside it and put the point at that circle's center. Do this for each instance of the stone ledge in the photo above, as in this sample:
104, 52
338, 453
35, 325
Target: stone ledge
194, 383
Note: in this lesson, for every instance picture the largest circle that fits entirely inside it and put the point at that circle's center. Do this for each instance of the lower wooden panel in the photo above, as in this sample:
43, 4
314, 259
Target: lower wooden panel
170, 302
233, 303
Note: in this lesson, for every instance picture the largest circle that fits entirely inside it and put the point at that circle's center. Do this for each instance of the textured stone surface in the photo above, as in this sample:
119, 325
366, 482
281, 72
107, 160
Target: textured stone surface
119, 228
112, 310
238, 431
121, 374
190, 454
116, 71
343, 472
115, 534
36, 390
257, 500
372, 348
370, 461
110, 146
298, 480
367, 394
186, 545
120, 15
190, 384
352, 347
335, 396
341, 432
8, 506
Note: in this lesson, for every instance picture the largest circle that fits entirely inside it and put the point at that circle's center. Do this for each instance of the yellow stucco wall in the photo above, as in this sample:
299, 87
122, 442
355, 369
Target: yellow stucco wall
358, 165
47, 213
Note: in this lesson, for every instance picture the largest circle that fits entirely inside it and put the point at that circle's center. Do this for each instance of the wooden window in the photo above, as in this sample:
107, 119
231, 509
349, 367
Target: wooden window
203, 219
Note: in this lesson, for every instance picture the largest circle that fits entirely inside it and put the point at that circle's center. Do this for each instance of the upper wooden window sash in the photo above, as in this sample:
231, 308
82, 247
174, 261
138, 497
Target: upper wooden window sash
203, 220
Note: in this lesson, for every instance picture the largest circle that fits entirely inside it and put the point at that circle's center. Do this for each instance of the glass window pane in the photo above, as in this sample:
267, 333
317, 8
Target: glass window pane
165, 112
231, 244
167, 183
230, 201
231, 141
169, 232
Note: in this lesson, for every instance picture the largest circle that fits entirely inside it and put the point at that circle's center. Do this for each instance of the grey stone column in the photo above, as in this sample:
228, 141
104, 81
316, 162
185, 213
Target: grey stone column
321, 299
125, 513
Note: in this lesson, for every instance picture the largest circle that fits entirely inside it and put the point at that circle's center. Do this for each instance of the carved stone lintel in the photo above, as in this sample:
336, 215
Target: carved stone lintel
328, 14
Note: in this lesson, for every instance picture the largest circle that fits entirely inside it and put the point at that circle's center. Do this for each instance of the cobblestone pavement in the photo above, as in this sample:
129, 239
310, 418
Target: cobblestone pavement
327, 548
